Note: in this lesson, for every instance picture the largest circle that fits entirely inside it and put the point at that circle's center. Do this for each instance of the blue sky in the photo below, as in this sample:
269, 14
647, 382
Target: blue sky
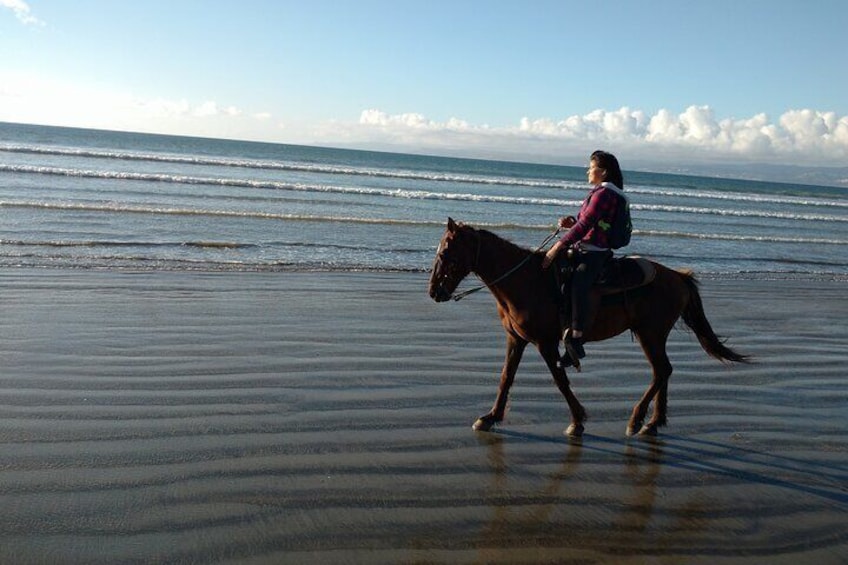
719, 81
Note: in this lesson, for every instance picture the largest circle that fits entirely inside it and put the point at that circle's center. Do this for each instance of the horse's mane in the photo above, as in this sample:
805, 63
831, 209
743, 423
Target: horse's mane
509, 246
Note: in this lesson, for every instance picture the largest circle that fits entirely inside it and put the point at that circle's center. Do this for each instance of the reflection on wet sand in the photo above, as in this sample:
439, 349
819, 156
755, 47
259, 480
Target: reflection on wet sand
549, 496
616, 500
642, 467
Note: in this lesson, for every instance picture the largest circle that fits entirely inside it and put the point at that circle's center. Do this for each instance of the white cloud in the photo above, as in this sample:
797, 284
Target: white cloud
408, 121
22, 11
208, 108
798, 136
598, 125
31, 98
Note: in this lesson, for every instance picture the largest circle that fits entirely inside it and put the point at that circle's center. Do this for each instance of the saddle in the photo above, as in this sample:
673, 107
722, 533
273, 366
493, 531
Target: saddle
619, 275
625, 273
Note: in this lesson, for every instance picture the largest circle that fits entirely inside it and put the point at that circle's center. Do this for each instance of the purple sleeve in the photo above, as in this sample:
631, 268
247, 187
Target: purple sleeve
589, 215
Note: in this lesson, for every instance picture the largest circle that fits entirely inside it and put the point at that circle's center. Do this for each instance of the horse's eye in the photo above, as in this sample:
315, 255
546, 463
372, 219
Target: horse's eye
448, 257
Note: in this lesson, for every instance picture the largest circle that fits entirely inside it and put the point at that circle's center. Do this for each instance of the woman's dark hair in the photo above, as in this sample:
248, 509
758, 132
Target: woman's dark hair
609, 163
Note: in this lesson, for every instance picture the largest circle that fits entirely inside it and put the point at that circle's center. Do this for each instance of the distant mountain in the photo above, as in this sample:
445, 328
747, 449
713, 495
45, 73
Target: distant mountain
826, 176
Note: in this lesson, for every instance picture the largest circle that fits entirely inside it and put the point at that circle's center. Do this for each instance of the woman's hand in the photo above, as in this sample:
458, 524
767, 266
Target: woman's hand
551, 254
567, 222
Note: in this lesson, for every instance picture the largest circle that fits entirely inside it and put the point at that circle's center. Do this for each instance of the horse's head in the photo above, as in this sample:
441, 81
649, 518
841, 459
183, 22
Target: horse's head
455, 258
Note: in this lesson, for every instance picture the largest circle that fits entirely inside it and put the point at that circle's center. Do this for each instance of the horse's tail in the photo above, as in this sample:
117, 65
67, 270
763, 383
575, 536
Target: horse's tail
694, 317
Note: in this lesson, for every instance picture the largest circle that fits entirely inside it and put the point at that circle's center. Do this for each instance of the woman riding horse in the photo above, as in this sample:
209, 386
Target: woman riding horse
588, 235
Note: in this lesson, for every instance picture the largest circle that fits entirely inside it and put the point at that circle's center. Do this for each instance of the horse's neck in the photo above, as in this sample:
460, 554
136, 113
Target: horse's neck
498, 257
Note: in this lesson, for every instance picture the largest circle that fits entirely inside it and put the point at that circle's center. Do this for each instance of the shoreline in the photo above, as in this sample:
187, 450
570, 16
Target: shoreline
269, 417
163, 267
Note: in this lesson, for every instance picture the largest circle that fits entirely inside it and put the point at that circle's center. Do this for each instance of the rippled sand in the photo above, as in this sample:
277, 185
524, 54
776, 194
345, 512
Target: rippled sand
325, 418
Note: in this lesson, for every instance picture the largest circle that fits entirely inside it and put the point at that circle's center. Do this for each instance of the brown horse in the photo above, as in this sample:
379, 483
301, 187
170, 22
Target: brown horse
527, 306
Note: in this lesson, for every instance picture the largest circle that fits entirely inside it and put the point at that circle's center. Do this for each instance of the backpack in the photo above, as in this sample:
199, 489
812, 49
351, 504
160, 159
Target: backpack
618, 234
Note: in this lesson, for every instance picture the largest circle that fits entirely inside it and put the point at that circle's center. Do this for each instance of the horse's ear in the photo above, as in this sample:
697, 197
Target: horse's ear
451, 225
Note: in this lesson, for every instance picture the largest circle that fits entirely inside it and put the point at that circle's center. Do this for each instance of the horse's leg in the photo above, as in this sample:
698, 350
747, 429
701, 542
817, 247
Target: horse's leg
514, 350
550, 354
654, 348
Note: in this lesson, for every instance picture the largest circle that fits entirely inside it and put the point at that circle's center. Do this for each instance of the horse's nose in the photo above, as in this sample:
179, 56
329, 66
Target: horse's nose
438, 293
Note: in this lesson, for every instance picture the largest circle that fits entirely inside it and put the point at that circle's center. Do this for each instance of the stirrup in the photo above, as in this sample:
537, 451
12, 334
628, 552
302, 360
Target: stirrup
567, 361
573, 351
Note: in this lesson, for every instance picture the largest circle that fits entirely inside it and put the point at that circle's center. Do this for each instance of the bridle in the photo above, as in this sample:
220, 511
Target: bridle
463, 294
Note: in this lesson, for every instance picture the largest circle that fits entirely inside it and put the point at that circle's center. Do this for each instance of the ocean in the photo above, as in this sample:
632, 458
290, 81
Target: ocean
86, 199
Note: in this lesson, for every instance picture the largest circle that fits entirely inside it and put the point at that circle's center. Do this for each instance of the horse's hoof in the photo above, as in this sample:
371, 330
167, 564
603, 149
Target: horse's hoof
574, 431
631, 430
648, 431
483, 425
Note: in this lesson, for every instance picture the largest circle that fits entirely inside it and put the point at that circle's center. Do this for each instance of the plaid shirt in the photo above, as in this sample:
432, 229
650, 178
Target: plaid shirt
594, 219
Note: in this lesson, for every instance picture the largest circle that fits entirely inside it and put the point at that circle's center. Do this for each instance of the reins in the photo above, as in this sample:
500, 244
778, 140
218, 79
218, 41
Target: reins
461, 295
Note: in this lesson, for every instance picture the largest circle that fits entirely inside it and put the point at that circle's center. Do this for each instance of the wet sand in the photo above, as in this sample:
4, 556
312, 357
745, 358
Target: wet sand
326, 418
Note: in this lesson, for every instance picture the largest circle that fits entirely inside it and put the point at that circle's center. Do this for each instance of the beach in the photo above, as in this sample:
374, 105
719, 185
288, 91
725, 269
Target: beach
325, 417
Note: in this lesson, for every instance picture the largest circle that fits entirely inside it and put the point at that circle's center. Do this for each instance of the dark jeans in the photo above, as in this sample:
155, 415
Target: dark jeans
588, 269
